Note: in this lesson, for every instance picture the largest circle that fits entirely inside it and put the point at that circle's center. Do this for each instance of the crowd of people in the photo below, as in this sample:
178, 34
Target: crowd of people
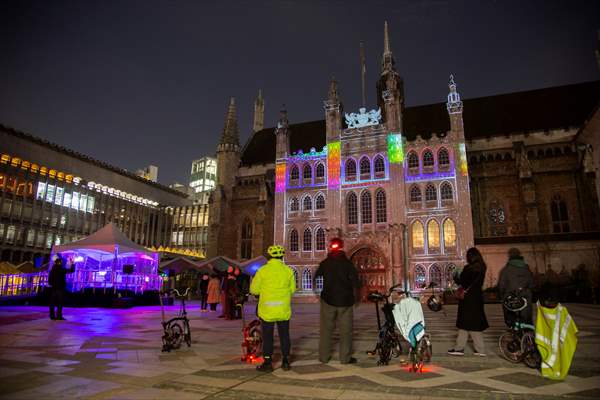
274, 285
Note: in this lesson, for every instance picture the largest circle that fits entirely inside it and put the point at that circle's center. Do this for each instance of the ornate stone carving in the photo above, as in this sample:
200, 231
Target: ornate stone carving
363, 118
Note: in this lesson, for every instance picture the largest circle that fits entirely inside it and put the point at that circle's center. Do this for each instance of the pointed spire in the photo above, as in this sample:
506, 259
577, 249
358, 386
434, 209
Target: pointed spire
386, 39
387, 61
231, 133
259, 113
333, 95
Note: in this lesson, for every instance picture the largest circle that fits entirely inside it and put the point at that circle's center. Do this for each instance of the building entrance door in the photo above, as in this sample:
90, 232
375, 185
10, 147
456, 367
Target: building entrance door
371, 271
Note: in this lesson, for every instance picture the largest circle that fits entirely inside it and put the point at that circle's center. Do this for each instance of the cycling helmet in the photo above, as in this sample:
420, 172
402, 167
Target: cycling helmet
276, 251
514, 303
434, 303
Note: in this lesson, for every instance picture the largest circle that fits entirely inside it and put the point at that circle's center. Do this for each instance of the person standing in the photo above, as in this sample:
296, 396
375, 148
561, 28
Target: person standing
514, 276
275, 284
231, 293
214, 292
340, 284
470, 319
203, 289
57, 280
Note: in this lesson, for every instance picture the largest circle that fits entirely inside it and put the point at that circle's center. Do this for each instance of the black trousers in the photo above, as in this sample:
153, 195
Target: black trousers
56, 300
283, 329
203, 298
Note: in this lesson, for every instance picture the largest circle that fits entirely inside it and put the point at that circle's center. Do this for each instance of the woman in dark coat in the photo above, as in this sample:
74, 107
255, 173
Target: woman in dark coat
470, 319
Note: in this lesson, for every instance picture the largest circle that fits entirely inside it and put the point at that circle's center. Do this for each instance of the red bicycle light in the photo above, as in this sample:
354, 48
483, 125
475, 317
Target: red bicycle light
335, 246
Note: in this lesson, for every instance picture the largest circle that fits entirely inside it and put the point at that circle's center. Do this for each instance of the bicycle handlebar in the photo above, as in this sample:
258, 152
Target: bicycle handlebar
179, 294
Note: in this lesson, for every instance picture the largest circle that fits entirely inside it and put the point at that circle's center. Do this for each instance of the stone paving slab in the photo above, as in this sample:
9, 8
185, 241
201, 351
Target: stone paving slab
115, 354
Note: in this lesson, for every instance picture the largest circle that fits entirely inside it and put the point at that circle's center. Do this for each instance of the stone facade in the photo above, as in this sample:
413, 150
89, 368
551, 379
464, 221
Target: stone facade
410, 192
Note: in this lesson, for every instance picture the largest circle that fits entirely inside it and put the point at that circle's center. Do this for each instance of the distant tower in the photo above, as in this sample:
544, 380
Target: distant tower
259, 113
390, 88
282, 151
457, 135
222, 229
333, 128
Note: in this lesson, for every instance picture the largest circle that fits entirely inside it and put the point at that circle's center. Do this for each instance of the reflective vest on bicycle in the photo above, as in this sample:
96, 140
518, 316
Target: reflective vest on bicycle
556, 340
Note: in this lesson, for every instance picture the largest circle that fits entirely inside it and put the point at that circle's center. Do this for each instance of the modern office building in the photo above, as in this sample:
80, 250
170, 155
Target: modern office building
52, 195
204, 174
149, 173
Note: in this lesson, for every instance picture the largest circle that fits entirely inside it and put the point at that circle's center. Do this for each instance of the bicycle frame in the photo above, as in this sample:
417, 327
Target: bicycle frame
173, 332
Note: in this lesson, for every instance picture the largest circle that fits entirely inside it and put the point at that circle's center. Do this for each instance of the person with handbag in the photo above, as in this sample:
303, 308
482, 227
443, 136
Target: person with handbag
470, 318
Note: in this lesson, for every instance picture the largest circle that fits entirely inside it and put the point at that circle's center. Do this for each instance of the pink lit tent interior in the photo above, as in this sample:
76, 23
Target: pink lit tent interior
108, 259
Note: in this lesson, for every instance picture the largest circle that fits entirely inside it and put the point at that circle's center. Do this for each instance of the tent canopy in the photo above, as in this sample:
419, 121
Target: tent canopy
181, 264
249, 267
109, 239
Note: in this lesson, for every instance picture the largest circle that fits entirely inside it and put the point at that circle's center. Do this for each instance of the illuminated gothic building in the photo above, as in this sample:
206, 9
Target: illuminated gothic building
410, 189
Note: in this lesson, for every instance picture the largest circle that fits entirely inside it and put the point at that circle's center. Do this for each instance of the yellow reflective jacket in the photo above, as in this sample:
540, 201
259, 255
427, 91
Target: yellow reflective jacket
274, 282
556, 340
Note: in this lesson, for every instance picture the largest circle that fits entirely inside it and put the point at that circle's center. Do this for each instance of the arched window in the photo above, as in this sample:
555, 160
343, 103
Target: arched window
430, 193
417, 237
294, 240
307, 240
295, 275
380, 206
320, 240
306, 279
294, 174
352, 209
449, 234
415, 194
365, 168
379, 167
365, 208
413, 160
246, 242
294, 204
320, 202
497, 218
435, 275
427, 158
449, 275
420, 277
443, 159
560, 215
320, 170
350, 170
446, 191
307, 203
307, 172
433, 235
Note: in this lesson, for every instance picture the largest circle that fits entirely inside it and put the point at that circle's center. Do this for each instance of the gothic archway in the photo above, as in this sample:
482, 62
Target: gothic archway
371, 266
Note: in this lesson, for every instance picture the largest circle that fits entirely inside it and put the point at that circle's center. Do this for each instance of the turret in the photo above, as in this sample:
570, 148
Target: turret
282, 134
228, 150
259, 113
390, 88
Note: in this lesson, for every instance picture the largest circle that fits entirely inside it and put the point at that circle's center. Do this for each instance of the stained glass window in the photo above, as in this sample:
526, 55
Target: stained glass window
435, 275
420, 277
433, 235
449, 234
417, 236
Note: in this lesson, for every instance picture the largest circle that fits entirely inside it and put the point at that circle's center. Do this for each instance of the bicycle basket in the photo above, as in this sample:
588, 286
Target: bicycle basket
434, 303
514, 303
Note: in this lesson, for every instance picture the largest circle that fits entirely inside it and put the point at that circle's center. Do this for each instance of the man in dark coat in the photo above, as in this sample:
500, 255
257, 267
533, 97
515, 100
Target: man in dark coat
203, 292
340, 282
57, 280
514, 276
470, 318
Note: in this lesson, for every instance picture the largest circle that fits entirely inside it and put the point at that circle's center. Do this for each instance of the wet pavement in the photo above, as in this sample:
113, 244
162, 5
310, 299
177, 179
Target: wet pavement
116, 354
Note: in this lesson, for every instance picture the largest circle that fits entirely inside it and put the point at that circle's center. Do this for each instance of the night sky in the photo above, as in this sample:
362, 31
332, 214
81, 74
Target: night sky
134, 83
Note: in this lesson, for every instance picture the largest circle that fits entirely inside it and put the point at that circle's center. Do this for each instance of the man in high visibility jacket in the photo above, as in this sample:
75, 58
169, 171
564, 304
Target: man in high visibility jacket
274, 283
556, 340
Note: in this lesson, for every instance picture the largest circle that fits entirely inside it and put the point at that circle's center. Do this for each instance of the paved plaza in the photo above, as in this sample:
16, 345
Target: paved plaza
115, 354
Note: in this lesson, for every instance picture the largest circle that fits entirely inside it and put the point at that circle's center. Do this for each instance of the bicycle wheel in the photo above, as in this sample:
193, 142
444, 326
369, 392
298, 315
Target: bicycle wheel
255, 343
187, 333
175, 335
510, 346
385, 350
531, 355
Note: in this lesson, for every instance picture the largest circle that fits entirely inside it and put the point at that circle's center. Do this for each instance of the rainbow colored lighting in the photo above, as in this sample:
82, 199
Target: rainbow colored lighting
395, 149
462, 162
280, 178
334, 162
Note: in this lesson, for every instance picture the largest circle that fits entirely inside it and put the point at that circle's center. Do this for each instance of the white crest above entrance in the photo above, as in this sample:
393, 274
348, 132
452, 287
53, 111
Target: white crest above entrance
363, 118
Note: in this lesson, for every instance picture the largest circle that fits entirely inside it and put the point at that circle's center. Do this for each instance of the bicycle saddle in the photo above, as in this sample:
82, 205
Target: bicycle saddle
375, 296
514, 302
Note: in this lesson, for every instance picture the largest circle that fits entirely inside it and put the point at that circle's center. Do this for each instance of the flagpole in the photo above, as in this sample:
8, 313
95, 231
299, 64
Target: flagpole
363, 71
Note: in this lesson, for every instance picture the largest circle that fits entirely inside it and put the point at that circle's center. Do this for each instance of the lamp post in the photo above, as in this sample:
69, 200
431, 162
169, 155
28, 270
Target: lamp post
404, 256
